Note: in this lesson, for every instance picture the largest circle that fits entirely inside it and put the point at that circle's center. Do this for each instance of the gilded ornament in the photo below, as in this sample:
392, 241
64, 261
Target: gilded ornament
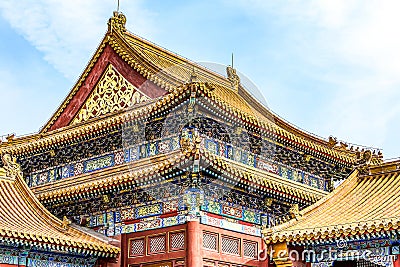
113, 93
343, 146
106, 198
233, 78
148, 210
190, 142
10, 138
65, 223
267, 233
238, 130
268, 202
117, 22
294, 211
11, 168
332, 142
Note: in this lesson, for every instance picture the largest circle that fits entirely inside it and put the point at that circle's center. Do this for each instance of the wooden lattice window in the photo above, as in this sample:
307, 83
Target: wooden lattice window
230, 245
137, 247
157, 244
210, 241
177, 241
250, 249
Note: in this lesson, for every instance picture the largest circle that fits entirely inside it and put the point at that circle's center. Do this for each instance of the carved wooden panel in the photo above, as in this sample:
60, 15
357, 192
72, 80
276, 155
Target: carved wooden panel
250, 249
112, 93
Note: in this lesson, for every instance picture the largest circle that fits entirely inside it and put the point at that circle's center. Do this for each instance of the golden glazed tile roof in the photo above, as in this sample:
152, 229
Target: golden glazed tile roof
253, 176
24, 220
170, 70
362, 204
176, 70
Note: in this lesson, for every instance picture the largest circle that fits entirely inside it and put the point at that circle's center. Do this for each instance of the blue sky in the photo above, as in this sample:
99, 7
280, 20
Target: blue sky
330, 67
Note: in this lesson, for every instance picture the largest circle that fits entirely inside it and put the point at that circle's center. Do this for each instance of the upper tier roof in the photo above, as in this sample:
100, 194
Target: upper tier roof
169, 72
24, 220
363, 204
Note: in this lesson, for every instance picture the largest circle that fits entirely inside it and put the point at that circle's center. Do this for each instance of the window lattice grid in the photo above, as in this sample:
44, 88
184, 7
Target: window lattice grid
250, 249
137, 247
230, 245
210, 241
365, 263
157, 244
177, 241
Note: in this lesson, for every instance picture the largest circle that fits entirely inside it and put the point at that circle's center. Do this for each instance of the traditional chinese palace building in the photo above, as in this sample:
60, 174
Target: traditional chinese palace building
181, 165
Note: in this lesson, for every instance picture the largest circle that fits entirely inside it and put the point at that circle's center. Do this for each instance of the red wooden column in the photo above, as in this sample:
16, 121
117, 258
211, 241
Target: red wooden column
194, 244
396, 263
120, 260
264, 257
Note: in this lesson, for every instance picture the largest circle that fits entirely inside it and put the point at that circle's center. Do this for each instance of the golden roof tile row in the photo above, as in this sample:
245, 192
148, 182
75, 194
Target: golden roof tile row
252, 176
361, 204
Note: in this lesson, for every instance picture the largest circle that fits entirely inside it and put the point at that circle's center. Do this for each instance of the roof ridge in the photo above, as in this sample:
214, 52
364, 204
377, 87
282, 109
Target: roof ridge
180, 57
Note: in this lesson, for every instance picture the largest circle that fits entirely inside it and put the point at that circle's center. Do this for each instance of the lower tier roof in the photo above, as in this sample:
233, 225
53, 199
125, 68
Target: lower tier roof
25, 221
368, 201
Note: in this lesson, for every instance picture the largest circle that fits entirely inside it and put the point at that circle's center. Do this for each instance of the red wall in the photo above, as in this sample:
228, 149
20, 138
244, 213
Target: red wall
192, 254
396, 263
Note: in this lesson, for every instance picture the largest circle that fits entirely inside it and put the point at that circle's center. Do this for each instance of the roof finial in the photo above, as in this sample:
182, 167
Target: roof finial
65, 223
117, 22
193, 75
117, 5
233, 77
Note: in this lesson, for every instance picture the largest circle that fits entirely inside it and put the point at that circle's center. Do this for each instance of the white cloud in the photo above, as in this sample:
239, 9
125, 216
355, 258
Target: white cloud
353, 46
367, 88
67, 32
